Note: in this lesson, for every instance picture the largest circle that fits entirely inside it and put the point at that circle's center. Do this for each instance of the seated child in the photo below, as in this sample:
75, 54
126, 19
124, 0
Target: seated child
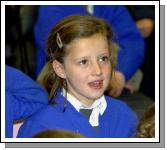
82, 58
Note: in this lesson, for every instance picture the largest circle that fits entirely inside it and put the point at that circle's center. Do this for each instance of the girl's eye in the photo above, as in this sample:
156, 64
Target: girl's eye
83, 62
104, 59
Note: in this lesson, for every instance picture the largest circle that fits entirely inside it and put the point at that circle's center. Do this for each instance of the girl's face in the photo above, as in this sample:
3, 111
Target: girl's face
86, 68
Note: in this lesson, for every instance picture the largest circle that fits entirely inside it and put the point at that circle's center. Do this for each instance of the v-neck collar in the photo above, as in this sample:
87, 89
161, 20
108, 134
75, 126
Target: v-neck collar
77, 119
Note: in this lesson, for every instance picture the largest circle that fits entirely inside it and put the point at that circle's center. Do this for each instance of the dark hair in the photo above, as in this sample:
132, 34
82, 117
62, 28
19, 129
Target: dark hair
57, 134
67, 30
146, 127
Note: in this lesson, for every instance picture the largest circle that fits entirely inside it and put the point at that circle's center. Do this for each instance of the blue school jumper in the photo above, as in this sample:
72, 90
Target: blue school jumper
126, 34
23, 97
118, 120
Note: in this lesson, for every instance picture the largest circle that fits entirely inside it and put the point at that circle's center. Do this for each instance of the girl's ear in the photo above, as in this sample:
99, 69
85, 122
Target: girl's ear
59, 69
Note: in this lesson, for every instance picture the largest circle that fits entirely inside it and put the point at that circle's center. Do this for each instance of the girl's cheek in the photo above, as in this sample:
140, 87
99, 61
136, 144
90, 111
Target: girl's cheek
107, 69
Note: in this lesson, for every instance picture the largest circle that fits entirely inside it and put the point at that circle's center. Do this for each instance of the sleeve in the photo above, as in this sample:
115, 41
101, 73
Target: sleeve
8, 116
129, 39
130, 121
30, 128
26, 96
134, 121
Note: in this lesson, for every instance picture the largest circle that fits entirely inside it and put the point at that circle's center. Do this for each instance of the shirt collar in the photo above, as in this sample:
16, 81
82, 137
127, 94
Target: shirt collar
101, 102
98, 107
76, 103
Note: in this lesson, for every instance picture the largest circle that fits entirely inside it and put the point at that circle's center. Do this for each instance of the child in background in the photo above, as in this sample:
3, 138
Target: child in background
82, 60
57, 134
146, 127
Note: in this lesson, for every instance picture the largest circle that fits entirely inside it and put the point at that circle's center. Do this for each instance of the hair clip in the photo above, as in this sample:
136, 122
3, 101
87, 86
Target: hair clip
59, 42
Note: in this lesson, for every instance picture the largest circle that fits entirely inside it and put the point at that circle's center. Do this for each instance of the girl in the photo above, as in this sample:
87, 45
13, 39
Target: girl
82, 59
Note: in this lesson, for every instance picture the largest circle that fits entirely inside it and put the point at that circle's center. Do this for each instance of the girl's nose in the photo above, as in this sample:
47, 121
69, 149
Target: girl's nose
96, 69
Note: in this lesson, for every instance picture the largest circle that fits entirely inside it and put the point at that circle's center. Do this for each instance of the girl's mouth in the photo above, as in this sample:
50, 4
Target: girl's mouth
98, 84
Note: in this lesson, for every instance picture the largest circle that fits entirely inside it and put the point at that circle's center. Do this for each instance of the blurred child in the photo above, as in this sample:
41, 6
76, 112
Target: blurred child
82, 59
57, 134
146, 127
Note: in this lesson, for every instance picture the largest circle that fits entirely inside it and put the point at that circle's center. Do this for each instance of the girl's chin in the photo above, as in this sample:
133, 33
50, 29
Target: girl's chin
95, 96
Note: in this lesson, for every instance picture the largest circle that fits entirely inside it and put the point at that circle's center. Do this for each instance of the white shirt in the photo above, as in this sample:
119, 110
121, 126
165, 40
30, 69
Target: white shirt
98, 107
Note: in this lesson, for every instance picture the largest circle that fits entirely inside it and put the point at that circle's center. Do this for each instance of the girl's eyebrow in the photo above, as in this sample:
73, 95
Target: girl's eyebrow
79, 58
84, 57
105, 53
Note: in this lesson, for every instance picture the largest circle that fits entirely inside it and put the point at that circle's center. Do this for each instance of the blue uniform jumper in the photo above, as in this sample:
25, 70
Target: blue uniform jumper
117, 121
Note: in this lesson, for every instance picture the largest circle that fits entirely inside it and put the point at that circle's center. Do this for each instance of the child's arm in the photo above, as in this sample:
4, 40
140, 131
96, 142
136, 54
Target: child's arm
23, 96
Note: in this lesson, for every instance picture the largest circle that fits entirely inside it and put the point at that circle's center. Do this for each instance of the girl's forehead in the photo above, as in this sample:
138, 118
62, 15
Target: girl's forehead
94, 36
96, 39
93, 45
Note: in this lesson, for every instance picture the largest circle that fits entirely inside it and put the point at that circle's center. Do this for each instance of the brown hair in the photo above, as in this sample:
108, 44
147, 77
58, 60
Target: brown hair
146, 127
57, 134
67, 30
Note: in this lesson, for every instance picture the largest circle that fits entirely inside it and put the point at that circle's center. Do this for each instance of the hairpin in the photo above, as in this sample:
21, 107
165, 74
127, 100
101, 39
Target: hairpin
59, 42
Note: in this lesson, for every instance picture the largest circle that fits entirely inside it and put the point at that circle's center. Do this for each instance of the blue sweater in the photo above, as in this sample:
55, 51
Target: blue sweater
131, 53
23, 97
118, 120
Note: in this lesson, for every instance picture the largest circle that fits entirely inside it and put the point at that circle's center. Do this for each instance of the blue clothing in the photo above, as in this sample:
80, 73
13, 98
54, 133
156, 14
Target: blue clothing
23, 97
117, 121
131, 53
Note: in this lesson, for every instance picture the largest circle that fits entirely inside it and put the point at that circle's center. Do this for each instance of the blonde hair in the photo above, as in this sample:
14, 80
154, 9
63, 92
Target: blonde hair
146, 127
57, 134
67, 30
